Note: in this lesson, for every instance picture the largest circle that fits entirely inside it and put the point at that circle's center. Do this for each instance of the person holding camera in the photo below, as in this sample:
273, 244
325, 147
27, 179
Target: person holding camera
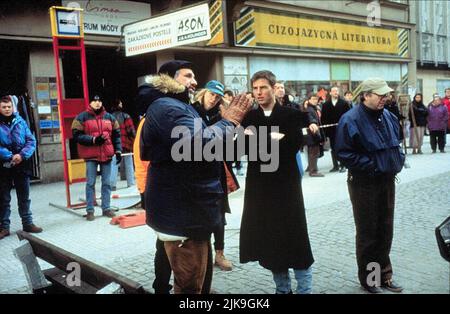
97, 134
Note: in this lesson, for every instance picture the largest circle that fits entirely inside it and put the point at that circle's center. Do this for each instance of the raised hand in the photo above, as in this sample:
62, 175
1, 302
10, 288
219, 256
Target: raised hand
237, 109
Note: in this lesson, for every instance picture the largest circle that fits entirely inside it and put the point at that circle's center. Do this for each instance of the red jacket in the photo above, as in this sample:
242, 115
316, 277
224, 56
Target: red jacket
446, 103
88, 125
127, 130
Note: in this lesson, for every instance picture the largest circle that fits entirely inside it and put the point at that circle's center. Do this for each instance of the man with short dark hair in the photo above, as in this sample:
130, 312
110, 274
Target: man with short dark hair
332, 110
348, 96
367, 143
228, 95
273, 228
283, 98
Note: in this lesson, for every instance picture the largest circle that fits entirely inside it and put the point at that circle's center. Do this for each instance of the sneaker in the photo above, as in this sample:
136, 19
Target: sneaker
392, 286
4, 233
335, 169
373, 289
442, 151
32, 228
222, 262
90, 216
433, 151
109, 213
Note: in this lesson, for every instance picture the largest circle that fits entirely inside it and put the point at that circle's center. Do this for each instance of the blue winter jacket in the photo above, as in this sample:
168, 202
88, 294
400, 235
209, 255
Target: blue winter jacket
16, 138
367, 142
182, 197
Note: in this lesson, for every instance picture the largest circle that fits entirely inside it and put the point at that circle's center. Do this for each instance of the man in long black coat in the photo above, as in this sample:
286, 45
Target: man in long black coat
332, 110
273, 227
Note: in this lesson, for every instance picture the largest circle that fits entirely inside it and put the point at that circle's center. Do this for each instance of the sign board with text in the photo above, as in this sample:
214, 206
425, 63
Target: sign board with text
66, 22
264, 28
182, 27
108, 17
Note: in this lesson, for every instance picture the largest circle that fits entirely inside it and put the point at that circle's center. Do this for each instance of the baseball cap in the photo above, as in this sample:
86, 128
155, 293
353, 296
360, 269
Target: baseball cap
171, 67
376, 86
215, 87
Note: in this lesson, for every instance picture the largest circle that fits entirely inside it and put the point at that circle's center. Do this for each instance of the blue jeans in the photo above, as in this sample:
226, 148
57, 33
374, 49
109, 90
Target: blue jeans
298, 157
129, 170
91, 175
22, 185
303, 277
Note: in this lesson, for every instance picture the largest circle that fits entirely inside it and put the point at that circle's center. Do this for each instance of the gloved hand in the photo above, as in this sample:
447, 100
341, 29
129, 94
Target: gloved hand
99, 140
118, 158
237, 109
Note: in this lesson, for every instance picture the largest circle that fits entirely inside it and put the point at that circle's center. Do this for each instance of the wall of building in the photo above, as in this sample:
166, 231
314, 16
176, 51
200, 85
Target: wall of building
430, 82
50, 152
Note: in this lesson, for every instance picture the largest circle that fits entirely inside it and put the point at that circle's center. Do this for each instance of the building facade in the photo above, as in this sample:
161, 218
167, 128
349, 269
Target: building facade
307, 44
432, 18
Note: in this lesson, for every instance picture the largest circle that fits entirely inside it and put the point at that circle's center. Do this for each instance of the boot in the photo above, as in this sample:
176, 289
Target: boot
32, 228
4, 233
222, 262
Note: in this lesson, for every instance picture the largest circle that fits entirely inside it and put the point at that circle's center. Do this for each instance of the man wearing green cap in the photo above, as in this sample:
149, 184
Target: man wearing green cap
367, 143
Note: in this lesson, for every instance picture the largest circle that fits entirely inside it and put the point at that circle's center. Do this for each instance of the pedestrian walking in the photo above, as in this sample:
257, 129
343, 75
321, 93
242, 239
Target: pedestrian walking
17, 146
367, 143
97, 134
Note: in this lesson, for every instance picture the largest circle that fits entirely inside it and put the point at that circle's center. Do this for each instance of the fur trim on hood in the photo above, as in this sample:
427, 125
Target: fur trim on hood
156, 87
165, 84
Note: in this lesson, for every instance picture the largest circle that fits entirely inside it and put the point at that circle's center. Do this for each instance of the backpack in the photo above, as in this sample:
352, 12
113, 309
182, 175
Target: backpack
443, 238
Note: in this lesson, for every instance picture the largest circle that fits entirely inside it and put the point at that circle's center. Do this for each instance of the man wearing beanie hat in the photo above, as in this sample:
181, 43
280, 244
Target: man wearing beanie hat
182, 197
97, 134
368, 144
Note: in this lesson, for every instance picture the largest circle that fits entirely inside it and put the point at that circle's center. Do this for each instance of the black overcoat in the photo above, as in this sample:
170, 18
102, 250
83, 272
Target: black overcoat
273, 226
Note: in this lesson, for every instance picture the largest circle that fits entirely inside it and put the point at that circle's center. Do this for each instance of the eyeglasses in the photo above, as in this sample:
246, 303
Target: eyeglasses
381, 96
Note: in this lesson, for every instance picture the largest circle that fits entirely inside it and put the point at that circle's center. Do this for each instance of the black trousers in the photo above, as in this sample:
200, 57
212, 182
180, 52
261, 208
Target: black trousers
373, 201
336, 163
437, 137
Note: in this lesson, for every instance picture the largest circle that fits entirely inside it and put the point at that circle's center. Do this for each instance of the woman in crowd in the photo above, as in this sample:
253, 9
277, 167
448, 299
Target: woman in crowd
207, 102
418, 123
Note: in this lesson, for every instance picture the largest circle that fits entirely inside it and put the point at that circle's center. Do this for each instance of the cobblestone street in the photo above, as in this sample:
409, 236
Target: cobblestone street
422, 202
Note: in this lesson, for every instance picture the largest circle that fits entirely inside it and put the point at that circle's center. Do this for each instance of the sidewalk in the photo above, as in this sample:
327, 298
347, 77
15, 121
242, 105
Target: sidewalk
423, 201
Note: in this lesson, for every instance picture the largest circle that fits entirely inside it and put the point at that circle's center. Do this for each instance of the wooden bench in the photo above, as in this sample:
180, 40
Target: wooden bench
93, 278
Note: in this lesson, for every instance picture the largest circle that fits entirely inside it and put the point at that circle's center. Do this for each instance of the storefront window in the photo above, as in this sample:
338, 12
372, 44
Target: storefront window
301, 89
442, 85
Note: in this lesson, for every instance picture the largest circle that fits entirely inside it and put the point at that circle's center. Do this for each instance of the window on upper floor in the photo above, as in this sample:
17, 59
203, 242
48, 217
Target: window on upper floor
426, 52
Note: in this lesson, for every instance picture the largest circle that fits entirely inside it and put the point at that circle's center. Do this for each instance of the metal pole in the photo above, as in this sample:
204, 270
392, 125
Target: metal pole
61, 118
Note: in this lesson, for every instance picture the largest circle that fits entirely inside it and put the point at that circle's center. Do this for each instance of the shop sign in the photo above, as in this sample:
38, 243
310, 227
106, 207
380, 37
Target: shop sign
66, 22
216, 21
258, 27
182, 27
108, 17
